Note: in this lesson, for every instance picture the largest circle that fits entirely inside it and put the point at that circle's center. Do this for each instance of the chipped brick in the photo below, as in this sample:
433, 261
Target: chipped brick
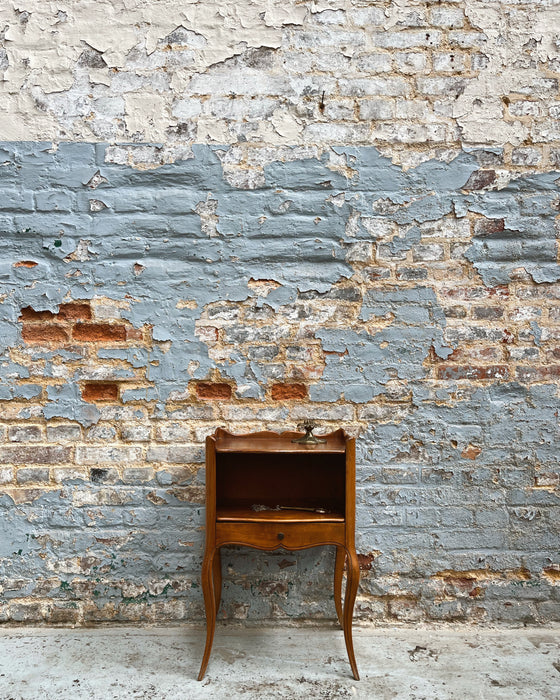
24, 433
134, 334
471, 452
538, 374
496, 372
100, 391
488, 227
44, 334
213, 391
74, 310
98, 332
288, 392
488, 313
480, 179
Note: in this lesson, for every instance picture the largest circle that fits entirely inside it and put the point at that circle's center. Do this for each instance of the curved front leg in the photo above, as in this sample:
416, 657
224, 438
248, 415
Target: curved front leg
207, 580
217, 576
352, 580
338, 571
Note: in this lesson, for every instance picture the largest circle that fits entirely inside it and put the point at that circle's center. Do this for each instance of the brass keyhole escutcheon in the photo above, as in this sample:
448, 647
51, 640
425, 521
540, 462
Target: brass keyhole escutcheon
280, 535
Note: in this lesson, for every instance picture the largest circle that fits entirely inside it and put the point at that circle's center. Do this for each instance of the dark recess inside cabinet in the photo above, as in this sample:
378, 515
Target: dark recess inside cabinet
302, 480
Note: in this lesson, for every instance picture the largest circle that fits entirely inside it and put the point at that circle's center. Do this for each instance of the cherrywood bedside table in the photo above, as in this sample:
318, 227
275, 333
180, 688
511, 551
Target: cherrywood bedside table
265, 491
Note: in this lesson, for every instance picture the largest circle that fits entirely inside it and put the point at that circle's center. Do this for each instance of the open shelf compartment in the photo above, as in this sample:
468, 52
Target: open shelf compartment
251, 487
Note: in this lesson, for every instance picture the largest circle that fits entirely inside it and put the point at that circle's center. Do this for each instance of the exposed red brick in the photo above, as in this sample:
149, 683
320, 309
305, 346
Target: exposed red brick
376, 273
366, 560
461, 578
455, 311
480, 179
29, 314
487, 227
500, 290
100, 391
508, 336
538, 374
309, 371
469, 372
26, 263
71, 311
212, 391
554, 353
464, 583
283, 392
475, 293
98, 332
335, 352
74, 310
475, 353
547, 480
63, 615
42, 333
471, 452
134, 334
285, 563
552, 573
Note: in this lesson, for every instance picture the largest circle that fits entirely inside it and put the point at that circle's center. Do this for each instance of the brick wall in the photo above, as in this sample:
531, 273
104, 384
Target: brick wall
241, 216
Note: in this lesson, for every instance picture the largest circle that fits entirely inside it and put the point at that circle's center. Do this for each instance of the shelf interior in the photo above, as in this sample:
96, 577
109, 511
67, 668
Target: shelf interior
244, 480
246, 514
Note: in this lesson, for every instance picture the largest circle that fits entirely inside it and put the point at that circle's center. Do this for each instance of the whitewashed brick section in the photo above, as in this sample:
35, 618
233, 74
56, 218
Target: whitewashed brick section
266, 74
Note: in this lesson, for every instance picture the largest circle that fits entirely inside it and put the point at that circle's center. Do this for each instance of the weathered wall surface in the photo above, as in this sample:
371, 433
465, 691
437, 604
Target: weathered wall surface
243, 214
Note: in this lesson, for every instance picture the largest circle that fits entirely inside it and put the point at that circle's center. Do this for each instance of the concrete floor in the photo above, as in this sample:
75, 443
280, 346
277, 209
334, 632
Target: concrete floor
421, 663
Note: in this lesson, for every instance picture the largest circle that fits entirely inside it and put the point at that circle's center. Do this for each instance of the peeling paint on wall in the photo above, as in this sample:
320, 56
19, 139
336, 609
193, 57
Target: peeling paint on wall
146, 244
182, 282
410, 76
243, 214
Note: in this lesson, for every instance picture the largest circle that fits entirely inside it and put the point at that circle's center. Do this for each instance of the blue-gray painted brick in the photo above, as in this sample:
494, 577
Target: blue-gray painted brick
181, 269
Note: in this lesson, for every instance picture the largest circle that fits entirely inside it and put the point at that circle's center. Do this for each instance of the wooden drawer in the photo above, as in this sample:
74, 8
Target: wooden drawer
275, 535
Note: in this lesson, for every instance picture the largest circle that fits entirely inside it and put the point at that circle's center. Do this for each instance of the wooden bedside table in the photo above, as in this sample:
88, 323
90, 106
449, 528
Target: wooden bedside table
248, 477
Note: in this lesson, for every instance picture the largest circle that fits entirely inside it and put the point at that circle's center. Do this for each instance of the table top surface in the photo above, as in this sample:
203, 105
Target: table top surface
270, 442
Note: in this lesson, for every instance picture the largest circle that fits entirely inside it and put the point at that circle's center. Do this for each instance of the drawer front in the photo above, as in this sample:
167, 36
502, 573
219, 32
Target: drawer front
275, 535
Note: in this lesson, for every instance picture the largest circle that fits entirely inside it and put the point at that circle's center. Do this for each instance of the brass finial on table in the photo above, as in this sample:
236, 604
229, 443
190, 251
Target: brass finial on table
308, 438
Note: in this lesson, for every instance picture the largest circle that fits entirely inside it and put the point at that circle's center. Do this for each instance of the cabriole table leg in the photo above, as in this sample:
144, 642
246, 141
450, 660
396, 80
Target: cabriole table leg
338, 572
210, 598
353, 577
